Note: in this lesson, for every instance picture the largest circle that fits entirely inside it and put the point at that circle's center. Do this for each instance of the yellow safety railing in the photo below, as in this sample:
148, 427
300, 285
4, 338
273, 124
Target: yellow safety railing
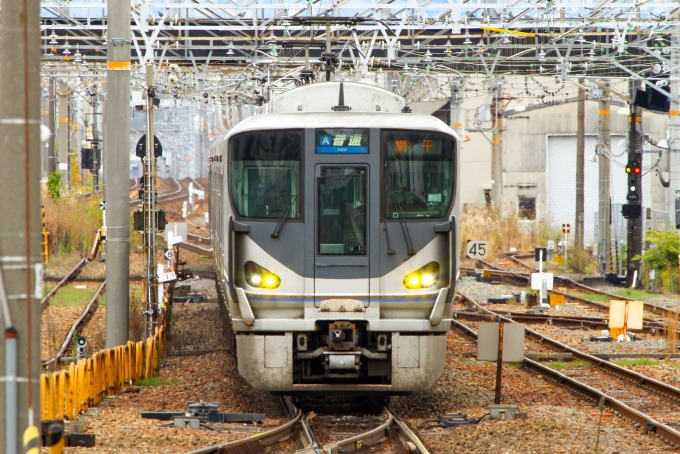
66, 393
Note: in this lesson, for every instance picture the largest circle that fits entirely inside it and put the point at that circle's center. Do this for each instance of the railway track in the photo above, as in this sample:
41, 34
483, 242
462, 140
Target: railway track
176, 194
524, 279
312, 433
652, 405
78, 325
653, 326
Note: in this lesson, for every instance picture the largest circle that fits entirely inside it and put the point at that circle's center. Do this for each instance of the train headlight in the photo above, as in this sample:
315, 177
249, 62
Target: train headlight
258, 276
424, 277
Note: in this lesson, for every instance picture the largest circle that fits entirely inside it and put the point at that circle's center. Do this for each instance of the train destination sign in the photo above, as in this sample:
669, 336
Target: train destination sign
342, 141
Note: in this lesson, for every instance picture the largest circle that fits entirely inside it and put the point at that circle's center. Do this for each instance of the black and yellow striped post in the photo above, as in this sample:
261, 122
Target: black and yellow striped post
611, 258
55, 438
32, 440
616, 252
46, 239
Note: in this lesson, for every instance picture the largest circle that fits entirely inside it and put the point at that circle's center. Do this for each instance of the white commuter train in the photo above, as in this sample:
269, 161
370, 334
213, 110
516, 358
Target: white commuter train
334, 221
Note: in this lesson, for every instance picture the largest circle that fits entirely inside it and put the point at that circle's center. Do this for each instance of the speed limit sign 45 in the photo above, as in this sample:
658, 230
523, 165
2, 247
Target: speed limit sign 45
477, 249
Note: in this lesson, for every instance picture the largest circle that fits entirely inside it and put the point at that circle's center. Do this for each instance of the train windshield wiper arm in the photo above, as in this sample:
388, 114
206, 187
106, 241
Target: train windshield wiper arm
282, 219
404, 227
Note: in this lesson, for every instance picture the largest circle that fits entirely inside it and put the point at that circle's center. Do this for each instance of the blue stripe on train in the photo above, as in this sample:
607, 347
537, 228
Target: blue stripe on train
281, 300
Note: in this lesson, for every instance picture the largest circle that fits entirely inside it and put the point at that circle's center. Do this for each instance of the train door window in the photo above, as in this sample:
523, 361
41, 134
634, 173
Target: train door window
342, 211
527, 207
418, 174
265, 174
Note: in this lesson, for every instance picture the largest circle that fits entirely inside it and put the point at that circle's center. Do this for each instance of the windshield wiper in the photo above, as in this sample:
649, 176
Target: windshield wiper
282, 219
404, 227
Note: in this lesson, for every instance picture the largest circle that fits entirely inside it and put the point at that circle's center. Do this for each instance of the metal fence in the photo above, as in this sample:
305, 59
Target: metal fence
65, 394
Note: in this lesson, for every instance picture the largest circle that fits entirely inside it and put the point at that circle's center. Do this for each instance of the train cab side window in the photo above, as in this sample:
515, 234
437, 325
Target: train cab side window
527, 207
418, 170
265, 174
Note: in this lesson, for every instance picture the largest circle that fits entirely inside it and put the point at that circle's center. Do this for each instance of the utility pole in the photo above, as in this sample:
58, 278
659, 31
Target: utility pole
580, 152
674, 120
497, 146
63, 133
634, 175
604, 199
51, 164
150, 212
117, 173
20, 237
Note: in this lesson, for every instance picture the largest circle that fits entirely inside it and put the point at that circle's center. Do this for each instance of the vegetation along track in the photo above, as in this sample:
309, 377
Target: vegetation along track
652, 405
311, 433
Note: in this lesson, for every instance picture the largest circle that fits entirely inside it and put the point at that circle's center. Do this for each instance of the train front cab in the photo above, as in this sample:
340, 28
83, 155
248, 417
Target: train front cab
342, 246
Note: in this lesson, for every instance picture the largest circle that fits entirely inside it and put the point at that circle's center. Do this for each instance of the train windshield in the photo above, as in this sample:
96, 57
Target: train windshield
265, 174
418, 174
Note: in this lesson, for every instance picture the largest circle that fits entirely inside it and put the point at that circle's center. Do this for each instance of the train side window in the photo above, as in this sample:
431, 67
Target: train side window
527, 207
265, 174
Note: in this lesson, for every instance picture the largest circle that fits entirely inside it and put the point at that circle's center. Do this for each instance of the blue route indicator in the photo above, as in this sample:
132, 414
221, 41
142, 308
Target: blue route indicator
343, 141
342, 150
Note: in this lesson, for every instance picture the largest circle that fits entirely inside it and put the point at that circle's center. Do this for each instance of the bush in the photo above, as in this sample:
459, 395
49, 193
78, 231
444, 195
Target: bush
503, 229
662, 256
54, 185
72, 223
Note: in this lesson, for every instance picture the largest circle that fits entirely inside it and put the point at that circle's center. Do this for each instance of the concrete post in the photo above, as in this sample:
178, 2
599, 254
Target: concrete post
604, 199
580, 152
20, 226
674, 122
52, 124
63, 133
117, 173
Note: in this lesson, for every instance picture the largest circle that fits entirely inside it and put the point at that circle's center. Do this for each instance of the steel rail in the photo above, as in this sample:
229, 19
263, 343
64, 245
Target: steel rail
254, 443
78, 325
570, 282
650, 424
560, 320
197, 238
350, 444
46, 300
197, 249
166, 197
642, 380
408, 433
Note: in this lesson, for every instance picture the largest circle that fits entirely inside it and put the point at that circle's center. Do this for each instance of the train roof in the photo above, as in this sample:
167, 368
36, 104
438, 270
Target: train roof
341, 120
324, 96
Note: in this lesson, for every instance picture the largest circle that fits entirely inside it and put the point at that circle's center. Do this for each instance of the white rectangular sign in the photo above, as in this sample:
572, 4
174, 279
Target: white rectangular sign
513, 342
167, 277
477, 249
538, 278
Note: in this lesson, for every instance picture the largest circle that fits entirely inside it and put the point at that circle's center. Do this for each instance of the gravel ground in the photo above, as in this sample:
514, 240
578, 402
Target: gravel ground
551, 419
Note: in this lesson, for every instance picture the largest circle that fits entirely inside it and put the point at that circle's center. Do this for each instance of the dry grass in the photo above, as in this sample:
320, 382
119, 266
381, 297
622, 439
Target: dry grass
503, 229
72, 223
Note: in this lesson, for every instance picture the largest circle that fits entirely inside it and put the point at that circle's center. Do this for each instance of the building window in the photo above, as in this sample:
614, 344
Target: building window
527, 207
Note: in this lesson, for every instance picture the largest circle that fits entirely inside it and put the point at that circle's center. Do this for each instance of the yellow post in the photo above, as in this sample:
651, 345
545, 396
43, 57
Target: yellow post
44, 396
46, 239
32, 440
55, 438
